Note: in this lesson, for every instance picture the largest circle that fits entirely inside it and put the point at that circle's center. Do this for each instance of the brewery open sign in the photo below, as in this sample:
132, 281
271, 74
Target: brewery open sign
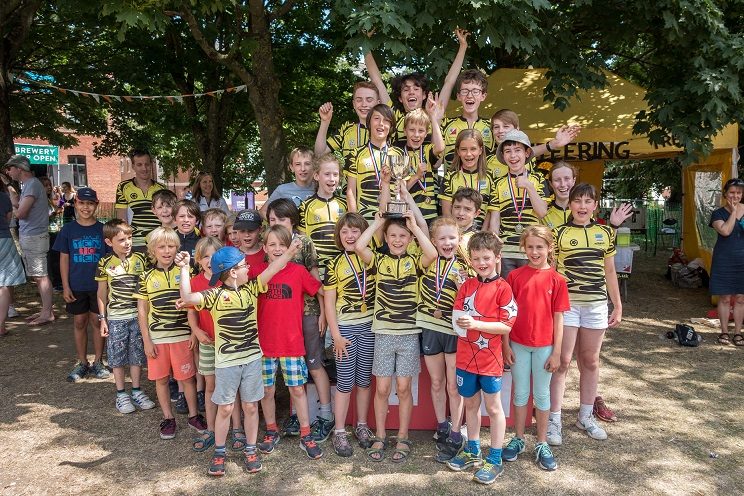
39, 154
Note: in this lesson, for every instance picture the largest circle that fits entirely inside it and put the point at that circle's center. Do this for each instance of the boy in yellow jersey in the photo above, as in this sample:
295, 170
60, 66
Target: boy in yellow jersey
165, 330
117, 276
136, 195
421, 184
237, 351
411, 90
517, 199
396, 334
506, 120
351, 135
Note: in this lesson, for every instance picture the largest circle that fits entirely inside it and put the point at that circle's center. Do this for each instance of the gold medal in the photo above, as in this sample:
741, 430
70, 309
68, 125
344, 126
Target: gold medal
437, 314
363, 307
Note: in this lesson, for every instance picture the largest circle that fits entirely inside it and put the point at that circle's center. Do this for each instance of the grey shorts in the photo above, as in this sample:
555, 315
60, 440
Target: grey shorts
435, 342
396, 355
35, 249
245, 378
124, 345
314, 342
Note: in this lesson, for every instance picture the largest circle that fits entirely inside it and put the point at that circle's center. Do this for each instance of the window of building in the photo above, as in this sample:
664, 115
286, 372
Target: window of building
79, 171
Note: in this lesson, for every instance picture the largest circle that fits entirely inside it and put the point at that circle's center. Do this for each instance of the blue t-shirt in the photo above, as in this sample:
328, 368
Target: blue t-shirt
85, 246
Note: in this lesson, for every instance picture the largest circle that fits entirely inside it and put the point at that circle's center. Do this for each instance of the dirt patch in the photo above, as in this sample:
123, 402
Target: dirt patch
680, 429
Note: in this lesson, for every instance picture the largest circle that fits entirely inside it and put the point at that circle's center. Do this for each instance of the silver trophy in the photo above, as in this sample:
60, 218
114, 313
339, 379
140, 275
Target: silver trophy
400, 168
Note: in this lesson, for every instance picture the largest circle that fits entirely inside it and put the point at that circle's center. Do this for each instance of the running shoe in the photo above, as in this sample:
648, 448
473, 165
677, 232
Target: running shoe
291, 426
465, 460
99, 371
364, 435
310, 447
513, 449
341, 444
78, 371
142, 401
489, 473
544, 457
217, 465
251, 461
124, 403
602, 412
270, 440
555, 437
168, 429
322, 429
592, 429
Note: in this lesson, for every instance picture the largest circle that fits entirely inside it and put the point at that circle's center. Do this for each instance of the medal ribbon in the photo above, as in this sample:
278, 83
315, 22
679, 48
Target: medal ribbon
440, 281
514, 199
421, 161
361, 282
383, 155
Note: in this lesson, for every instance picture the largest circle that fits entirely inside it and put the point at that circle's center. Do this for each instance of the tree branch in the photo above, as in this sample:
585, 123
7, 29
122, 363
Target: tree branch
280, 11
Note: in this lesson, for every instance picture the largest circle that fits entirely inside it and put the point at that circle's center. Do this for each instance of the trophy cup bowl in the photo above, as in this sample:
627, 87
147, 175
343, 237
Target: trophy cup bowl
400, 167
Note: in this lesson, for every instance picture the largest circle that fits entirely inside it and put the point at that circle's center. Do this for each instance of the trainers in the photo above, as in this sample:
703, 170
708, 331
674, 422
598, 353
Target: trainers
197, 422
489, 473
341, 444
593, 430
173, 390
168, 429
364, 435
544, 457
251, 461
513, 449
124, 403
602, 412
291, 426
181, 406
200, 402
441, 435
450, 449
310, 447
555, 438
142, 401
99, 371
322, 429
12, 312
464, 460
270, 440
78, 371
217, 465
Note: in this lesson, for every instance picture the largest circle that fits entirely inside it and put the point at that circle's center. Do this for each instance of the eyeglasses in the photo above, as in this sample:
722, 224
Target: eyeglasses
474, 92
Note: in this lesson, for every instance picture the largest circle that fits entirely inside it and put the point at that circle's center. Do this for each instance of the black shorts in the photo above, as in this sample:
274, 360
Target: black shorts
85, 301
434, 342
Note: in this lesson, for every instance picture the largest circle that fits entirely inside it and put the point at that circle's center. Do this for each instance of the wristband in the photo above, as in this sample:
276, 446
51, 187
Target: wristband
547, 146
614, 226
101, 317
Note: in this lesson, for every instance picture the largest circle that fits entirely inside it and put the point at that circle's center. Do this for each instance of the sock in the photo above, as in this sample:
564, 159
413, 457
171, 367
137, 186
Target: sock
361, 424
456, 436
121, 391
339, 431
304, 430
473, 446
219, 450
272, 427
555, 416
325, 412
494, 456
443, 426
585, 411
135, 390
250, 448
293, 411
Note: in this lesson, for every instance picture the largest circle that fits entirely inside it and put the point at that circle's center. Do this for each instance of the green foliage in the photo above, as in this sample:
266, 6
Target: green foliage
637, 179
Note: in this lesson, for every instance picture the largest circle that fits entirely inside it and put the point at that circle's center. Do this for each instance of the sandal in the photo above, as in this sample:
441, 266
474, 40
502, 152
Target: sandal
738, 340
724, 338
401, 454
204, 442
377, 454
238, 440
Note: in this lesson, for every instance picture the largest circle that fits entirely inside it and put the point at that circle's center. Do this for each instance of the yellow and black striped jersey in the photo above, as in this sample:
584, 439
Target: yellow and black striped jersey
307, 256
350, 136
160, 287
499, 170
462, 249
366, 167
122, 277
456, 179
556, 216
234, 314
580, 254
318, 217
396, 295
423, 191
504, 196
437, 293
128, 195
346, 274
453, 126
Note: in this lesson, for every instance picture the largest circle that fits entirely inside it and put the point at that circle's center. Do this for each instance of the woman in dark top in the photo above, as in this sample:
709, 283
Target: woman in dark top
67, 202
727, 271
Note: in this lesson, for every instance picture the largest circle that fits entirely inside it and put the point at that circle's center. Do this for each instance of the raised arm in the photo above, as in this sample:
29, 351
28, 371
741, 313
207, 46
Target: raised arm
565, 135
429, 253
449, 81
362, 245
321, 139
281, 262
435, 110
376, 77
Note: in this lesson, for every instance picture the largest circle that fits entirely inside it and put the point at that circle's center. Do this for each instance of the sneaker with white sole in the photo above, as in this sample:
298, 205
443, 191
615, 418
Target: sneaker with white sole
124, 403
555, 438
592, 429
142, 401
513, 449
12, 312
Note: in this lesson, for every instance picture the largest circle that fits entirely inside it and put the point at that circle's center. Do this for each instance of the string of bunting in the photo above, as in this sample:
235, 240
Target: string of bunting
130, 98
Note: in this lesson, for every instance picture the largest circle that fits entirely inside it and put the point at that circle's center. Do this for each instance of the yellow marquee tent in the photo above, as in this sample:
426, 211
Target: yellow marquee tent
607, 117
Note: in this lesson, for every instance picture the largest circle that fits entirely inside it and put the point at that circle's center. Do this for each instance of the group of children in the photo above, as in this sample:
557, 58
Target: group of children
492, 266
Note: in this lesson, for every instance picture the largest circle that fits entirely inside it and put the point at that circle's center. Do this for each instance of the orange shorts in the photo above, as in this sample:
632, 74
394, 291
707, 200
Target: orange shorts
175, 357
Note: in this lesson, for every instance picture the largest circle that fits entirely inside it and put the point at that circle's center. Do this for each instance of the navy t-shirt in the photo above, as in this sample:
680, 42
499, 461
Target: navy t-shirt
85, 246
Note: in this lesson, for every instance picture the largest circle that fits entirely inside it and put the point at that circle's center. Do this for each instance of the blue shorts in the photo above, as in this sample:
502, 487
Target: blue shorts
468, 383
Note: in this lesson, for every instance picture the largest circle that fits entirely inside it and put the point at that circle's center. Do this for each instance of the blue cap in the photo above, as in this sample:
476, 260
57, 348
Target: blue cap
86, 194
224, 259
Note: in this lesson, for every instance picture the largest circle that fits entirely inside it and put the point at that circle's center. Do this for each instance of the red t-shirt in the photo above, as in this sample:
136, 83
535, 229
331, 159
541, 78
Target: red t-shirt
492, 301
255, 259
539, 294
201, 283
280, 310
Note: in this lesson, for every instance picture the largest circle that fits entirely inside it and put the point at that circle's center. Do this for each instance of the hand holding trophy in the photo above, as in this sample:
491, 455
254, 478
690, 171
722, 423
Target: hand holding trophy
400, 168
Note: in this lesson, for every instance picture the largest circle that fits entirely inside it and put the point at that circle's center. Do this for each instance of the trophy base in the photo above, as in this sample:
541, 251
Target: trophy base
395, 210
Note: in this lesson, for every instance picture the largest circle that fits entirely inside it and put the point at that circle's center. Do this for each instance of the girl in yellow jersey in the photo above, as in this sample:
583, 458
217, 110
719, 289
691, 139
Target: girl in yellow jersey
585, 254
562, 177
